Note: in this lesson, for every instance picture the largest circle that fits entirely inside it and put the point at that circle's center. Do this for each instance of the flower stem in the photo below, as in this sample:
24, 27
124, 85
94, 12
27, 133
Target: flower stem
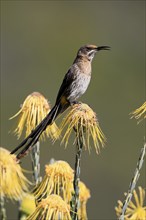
75, 197
134, 181
2, 209
35, 158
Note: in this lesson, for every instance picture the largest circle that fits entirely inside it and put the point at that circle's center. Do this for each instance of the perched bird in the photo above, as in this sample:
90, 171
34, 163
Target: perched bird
74, 85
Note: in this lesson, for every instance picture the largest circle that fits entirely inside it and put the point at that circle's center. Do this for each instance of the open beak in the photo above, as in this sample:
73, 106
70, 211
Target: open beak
103, 48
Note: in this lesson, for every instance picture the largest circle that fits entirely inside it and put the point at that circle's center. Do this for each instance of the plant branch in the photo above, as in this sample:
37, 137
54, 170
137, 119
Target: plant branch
35, 158
2, 209
75, 198
133, 182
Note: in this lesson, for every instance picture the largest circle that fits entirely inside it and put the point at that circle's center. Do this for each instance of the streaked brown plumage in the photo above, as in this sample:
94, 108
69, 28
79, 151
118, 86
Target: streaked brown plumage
74, 85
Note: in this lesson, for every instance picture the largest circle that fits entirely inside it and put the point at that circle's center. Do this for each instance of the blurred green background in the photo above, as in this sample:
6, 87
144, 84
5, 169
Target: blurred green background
39, 41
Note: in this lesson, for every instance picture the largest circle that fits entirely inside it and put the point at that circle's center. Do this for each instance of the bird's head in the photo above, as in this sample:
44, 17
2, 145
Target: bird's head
89, 51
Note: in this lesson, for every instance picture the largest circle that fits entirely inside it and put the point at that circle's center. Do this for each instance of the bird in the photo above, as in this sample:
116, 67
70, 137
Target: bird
74, 85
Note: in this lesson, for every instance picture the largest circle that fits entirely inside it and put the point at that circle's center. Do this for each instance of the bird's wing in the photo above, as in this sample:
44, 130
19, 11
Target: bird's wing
66, 84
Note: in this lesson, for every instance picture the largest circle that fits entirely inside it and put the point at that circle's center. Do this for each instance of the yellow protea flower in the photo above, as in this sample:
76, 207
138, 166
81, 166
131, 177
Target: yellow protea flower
51, 208
140, 112
84, 195
135, 210
58, 180
32, 112
13, 183
28, 205
83, 120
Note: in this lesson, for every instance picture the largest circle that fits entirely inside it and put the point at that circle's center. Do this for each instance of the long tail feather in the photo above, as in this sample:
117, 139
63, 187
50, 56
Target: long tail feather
31, 139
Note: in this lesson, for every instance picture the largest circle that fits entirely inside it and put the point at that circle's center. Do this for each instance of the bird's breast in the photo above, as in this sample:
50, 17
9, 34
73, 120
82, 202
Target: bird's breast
85, 67
79, 85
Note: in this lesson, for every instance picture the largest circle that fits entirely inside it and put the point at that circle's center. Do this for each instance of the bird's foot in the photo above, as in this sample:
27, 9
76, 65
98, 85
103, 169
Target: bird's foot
74, 103
78, 103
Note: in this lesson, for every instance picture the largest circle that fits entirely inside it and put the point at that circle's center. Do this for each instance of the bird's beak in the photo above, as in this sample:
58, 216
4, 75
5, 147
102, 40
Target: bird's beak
103, 48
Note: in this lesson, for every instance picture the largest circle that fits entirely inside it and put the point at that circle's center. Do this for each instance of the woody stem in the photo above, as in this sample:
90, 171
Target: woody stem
75, 198
134, 181
2, 209
35, 158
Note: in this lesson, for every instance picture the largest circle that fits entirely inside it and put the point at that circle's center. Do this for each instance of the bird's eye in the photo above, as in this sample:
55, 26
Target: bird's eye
88, 48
